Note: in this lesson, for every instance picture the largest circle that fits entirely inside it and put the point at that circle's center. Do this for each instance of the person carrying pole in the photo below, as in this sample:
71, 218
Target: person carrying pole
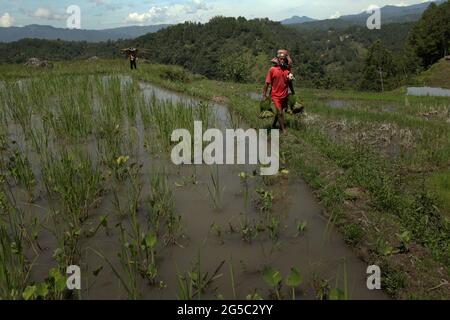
132, 56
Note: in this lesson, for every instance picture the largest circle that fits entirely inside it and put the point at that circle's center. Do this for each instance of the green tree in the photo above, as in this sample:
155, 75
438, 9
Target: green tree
430, 37
379, 68
236, 66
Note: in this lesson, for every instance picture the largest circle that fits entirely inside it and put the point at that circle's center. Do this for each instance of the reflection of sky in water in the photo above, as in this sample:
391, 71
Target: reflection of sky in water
428, 91
220, 112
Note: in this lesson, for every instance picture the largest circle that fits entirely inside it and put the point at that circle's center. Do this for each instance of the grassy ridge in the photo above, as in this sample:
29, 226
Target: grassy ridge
437, 75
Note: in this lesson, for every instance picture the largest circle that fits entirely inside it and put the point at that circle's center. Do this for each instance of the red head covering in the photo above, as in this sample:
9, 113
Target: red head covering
281, 54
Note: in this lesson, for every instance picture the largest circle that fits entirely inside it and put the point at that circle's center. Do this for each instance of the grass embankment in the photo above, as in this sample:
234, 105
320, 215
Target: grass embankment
437, 75
379, 164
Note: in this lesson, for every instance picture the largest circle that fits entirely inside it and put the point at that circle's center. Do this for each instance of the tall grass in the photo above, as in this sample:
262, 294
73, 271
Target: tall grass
75, 180
14, 269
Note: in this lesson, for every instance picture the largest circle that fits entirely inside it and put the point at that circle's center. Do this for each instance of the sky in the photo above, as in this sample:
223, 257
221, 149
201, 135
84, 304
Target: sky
102, 14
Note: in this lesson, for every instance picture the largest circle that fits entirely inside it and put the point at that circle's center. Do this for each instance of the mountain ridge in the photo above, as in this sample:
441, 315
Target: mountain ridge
389, 14
47, 32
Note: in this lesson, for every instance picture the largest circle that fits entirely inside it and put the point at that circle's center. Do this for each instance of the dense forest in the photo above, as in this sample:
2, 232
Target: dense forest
238, 49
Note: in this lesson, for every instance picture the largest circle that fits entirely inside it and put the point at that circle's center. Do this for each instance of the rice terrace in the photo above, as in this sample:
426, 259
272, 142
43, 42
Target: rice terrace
358, 182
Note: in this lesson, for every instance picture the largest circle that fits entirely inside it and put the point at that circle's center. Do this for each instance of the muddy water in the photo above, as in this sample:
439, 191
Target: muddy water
320, 253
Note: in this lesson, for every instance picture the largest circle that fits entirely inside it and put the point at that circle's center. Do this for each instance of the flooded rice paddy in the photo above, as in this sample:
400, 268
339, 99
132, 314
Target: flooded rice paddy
87, 168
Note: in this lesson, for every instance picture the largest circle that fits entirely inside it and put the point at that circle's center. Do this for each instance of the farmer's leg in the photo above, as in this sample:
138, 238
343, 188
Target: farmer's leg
275, 121
284, 106
277, 104
281, 119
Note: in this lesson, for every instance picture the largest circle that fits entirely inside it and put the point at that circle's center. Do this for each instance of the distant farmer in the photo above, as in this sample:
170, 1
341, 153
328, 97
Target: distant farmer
280, 79
132, 56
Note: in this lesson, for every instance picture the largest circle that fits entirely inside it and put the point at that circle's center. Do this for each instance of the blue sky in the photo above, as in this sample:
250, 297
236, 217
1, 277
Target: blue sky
101, 14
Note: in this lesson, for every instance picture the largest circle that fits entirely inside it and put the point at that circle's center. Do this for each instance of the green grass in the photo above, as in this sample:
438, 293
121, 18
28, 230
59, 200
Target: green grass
437, 75
439, 184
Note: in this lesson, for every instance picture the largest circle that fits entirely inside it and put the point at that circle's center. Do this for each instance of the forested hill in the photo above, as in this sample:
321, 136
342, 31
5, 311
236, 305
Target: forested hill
353, 57
240, 49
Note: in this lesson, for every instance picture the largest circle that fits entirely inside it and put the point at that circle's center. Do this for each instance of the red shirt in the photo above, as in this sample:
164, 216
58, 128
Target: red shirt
278, 78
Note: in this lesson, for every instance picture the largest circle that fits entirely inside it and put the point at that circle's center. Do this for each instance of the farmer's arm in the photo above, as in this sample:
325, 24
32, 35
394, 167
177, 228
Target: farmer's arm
267, 84
266, 87
291, 86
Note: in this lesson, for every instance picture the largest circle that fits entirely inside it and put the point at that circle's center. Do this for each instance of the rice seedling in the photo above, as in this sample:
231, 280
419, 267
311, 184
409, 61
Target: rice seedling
244, 177
274, 228
204, 113
194, 282
14, 269
75, 182
217, 231
162, 217
169, 116
301, 227
215, 189
3, 139
247, 230
233, 283
265, 200
19, 109
20, 170
138, 247
234, 120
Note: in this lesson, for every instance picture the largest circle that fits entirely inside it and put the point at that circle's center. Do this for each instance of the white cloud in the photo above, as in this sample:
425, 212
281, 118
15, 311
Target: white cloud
42, 13
336, 15
170, 13
47, 14
6, 20
372, 7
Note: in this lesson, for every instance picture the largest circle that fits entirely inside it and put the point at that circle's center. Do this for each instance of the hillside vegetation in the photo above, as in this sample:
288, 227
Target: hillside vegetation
239, 50
437, 76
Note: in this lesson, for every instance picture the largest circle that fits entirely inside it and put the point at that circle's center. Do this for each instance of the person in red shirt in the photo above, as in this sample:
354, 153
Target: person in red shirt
278, 78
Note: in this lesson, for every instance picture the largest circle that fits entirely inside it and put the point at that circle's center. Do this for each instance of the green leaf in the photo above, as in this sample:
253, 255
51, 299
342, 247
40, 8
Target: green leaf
104, 221
42, 290
150, 240
336, 294
272, 277
152, 271
254, 296
294, 278
29, 292
53, 273
58, 279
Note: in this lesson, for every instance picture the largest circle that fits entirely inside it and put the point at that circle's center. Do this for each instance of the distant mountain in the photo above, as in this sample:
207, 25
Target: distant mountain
51, 33
389, 14
297, 20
